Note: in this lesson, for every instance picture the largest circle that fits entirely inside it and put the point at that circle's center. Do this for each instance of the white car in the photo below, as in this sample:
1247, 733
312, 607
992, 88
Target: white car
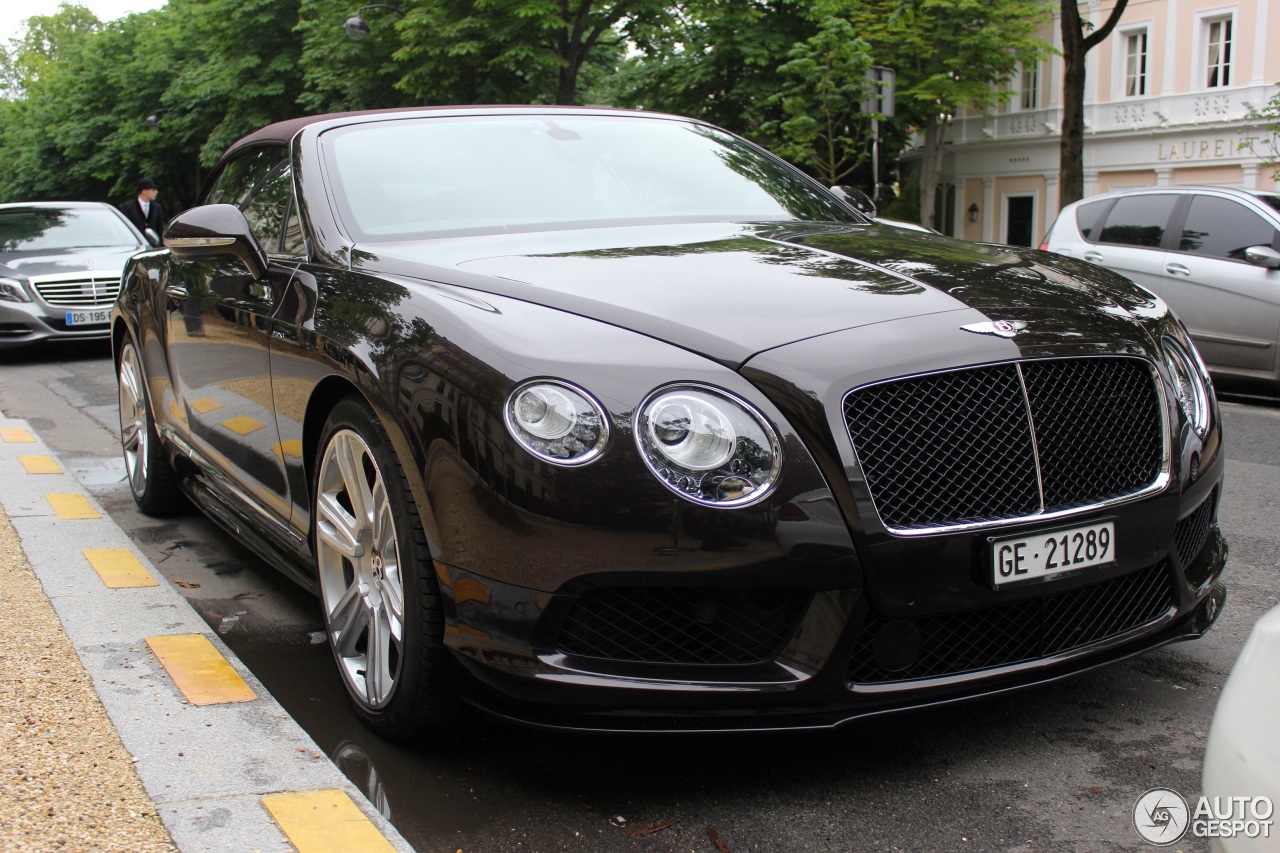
1242, 758
1211, 253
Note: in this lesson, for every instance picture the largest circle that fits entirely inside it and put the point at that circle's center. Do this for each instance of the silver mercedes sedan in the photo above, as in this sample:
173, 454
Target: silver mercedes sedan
60, 266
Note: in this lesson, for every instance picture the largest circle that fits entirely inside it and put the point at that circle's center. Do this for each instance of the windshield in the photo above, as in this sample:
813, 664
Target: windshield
458, 175
53, 229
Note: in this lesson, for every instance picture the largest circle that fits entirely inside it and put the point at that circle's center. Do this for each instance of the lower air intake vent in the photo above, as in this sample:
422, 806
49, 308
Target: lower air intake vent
1014, 633
683, 626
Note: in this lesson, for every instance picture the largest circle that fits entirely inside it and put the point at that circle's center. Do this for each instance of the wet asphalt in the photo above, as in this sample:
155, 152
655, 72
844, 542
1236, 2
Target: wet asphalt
1052, 768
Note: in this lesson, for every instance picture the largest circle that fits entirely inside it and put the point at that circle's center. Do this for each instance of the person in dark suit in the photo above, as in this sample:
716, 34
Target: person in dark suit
145, 211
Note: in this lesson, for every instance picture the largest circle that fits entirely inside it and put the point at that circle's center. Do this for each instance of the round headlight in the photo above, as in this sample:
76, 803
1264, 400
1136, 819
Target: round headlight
1190, 387
708, 446
557, 422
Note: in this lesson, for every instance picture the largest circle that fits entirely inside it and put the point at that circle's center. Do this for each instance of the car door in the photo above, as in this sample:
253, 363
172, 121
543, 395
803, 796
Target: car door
1131, 240
1231, 306
218, 339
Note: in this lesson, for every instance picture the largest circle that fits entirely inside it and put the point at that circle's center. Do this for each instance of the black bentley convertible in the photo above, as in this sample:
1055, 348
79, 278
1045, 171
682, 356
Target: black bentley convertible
613, 420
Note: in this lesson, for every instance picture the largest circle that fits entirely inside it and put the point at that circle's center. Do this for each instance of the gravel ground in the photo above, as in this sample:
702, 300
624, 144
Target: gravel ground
66, 780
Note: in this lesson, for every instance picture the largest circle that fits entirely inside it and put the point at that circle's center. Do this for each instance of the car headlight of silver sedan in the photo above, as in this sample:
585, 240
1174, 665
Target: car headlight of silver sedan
708, 446
11, 290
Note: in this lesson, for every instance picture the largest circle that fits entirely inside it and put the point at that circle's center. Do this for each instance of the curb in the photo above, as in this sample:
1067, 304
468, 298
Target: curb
227, 768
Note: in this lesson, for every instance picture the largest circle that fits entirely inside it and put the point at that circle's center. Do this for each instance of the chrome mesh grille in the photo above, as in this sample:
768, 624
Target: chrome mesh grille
956, 643
1008, 441
683, 626
86, 290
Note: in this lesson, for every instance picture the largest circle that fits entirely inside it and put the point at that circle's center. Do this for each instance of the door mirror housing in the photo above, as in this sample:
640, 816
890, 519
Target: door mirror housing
152, 237
216, 230
1263, 256
856, 199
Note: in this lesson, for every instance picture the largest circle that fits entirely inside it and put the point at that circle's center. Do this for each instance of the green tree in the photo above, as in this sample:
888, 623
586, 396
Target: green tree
342, 74
526, 51
949, 55
1075, 48
823, 128
1267, 147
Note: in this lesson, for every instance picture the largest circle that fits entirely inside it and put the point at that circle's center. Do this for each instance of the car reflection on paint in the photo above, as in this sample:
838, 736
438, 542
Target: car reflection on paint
612, 420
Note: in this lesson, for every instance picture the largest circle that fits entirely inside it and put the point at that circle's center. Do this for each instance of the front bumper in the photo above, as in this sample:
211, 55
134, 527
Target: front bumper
26, 323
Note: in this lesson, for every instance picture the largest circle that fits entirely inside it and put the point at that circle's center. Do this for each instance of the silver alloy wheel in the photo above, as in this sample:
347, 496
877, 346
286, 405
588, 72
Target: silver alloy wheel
358, 560
134, 426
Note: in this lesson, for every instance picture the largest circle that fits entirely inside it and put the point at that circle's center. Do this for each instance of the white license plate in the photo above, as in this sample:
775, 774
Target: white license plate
1052, 552
89, 318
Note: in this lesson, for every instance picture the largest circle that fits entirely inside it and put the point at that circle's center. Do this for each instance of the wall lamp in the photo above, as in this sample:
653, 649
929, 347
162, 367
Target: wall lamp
973, 212
357, 28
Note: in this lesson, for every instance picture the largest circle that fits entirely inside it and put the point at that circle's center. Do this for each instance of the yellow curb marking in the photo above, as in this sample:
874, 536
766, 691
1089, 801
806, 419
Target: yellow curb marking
118, 567
204, 405
325, 822
200, 671
291, 448
72, 506
177, 413
243, 425
12, 434
40, 464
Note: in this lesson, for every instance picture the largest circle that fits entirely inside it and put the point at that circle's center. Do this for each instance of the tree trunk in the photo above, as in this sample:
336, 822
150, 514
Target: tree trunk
931, 168
1071, 143
1075, 47
567, 88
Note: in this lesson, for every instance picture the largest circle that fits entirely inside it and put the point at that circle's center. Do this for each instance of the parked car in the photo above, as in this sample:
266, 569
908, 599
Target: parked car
1242, 755
609, 419
1212, 253
60, 265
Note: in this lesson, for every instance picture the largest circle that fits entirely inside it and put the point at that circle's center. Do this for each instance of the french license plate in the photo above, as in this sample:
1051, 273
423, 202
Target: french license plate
89, 318
1052, 552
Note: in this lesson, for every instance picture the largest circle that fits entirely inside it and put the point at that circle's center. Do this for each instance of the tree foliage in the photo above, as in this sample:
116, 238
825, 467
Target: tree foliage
76, 93
1266, 146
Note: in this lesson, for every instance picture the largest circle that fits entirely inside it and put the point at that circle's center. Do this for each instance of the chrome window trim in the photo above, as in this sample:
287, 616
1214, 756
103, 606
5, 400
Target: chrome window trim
1159, 484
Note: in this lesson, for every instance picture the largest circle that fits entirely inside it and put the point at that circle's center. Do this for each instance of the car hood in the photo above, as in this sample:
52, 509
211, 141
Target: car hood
89, 259
729, 291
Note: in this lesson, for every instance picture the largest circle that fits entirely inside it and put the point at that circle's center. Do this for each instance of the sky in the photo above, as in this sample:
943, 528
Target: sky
14, 13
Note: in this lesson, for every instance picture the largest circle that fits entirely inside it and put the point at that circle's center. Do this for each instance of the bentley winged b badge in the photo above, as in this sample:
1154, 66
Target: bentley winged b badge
999, 328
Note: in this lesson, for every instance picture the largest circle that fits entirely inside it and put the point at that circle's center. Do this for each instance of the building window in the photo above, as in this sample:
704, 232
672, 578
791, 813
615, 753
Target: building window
1218, 39
1031, 86
1135, 64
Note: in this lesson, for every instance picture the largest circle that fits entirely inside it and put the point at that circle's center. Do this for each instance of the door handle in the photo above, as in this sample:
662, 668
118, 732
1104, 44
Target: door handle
176, 291
1093, 257
1176, 269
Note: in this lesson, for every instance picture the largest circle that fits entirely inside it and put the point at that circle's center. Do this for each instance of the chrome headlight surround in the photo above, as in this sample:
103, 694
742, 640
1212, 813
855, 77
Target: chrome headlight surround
557, 422
1191, 387
11, 290
707, 445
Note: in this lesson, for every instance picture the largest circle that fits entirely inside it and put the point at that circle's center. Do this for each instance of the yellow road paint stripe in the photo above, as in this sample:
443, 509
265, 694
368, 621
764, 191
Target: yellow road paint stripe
118, 567
14, 435
205, 405
243, 425
200, 671
177, 413
325, 822
72, 506
291, 448
40, 464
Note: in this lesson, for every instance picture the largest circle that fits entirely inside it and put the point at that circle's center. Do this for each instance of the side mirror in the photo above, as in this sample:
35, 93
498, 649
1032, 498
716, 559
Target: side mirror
1263, 256
152, 237
216, 230
856, 199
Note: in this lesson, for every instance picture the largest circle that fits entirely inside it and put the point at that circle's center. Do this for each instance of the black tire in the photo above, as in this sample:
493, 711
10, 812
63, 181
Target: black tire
152, 480
361, 576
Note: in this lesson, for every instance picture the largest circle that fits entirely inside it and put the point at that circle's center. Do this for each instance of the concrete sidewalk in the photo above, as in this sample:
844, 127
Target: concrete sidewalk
125, 722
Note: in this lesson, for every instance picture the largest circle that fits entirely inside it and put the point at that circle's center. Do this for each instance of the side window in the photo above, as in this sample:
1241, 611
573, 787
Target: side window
1087, 216
267, 207
240, 176
1138, 220
1219, 228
